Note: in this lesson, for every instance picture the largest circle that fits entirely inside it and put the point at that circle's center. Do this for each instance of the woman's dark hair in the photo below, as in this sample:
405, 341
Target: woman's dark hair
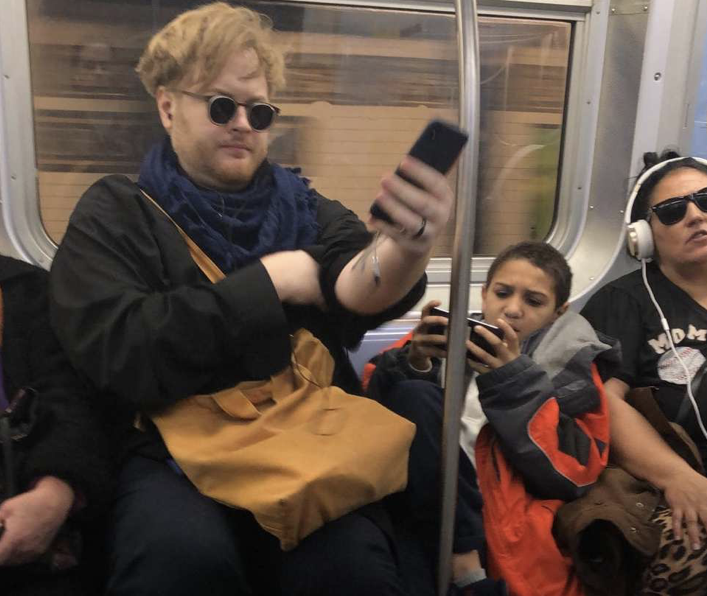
545, 258
642, 202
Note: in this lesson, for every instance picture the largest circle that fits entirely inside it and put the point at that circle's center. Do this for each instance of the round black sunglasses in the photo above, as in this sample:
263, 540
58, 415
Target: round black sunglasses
222, 109
671, 211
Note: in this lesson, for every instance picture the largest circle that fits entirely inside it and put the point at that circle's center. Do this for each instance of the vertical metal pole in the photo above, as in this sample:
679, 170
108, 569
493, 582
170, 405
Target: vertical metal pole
468, 45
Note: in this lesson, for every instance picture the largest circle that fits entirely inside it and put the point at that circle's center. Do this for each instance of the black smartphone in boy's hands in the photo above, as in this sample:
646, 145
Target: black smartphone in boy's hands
481, 341
438, 146
475, 338
438, 329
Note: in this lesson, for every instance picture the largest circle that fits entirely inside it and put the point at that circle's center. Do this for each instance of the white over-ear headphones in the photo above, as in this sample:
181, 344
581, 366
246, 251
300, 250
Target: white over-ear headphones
639, 237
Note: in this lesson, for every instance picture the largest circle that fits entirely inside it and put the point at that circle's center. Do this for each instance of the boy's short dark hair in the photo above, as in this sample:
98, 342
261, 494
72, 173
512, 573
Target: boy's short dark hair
544, 257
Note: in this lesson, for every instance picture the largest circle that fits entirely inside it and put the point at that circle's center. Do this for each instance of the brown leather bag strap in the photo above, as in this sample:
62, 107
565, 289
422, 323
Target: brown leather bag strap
203, 261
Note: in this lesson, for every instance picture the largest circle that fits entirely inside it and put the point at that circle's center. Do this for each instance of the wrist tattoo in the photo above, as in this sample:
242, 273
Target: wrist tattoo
370, 251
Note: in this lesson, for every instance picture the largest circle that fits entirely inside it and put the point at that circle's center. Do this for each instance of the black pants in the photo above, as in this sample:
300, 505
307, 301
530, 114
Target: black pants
418, 507
20, 582
167, 539
87, 579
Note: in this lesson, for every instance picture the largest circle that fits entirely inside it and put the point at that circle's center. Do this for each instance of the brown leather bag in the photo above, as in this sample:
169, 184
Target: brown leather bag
293, 450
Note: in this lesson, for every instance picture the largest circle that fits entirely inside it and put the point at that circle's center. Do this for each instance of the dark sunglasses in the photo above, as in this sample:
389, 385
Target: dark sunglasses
222, 109
671, 211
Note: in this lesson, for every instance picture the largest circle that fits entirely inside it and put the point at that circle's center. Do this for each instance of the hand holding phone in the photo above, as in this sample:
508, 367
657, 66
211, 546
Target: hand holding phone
474, 337
423, 346
438, 146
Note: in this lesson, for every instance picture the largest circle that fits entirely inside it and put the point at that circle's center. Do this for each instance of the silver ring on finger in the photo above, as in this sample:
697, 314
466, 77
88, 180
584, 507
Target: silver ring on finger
421, 230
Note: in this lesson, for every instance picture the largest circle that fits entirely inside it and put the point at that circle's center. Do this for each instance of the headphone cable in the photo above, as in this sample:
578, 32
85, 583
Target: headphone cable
666, 328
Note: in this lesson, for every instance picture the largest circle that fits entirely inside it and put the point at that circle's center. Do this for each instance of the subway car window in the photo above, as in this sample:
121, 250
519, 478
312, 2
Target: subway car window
362, 83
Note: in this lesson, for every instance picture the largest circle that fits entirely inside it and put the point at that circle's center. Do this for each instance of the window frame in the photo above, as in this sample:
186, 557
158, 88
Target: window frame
24, 230
21, 216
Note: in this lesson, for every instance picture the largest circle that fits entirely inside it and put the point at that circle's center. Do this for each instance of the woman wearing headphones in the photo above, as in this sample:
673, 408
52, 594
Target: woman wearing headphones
659, 314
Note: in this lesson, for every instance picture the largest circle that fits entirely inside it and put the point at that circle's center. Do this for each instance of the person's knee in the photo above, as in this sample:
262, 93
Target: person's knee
180, 547
372, 567
177, 560
166, 538
352, 556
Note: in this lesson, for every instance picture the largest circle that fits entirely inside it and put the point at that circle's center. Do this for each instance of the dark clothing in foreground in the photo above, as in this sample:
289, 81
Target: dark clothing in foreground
422, 402
160, 332
65, 441
218, 550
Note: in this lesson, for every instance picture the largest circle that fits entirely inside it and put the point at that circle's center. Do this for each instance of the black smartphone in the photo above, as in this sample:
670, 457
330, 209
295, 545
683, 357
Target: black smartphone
473, 336
438, 146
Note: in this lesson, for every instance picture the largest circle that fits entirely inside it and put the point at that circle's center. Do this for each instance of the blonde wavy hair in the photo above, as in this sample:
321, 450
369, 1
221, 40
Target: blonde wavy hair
196, 45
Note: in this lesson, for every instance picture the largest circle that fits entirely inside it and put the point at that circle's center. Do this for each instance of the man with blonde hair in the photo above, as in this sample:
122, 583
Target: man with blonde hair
144, 325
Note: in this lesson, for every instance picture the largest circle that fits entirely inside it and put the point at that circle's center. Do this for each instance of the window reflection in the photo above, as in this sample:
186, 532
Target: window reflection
362, 84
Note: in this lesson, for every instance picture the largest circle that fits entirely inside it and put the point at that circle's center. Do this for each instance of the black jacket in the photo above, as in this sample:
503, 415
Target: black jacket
66, 440
142, 322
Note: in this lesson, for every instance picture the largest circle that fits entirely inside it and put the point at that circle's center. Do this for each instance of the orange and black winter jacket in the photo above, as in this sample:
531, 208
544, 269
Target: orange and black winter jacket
548, 409
545, 406
547, 442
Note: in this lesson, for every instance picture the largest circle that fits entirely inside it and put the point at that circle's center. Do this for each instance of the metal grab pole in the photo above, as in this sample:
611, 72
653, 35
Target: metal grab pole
469, 105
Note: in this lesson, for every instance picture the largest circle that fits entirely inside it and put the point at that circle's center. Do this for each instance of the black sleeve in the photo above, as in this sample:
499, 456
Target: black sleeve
343, 235
616, 313
67, 442
391, 367
136, 332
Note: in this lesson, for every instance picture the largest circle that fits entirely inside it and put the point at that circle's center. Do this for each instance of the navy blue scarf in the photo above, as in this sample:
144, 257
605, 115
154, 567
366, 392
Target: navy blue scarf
277, 211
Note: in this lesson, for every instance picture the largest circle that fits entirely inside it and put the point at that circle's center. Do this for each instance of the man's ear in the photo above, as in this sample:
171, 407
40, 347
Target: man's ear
165, 106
